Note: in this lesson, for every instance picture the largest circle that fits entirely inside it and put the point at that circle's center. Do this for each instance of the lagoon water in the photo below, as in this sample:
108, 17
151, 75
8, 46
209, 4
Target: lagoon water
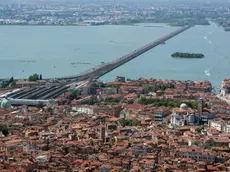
50, 50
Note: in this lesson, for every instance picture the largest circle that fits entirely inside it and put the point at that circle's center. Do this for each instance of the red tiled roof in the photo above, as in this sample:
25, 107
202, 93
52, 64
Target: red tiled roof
134, 106
126, 88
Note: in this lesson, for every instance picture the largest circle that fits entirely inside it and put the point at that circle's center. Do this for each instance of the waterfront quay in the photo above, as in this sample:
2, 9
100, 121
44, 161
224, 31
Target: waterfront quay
149, 124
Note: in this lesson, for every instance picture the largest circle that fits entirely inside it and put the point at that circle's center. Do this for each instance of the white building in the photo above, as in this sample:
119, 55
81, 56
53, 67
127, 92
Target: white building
221, 126
179, 115
83, 109
196, 154
218, 125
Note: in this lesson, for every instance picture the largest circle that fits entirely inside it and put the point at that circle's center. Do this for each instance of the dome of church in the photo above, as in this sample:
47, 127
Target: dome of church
183, 106
5, 104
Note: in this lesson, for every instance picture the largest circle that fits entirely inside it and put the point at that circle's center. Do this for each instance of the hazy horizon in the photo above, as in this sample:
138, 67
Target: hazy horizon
117, 1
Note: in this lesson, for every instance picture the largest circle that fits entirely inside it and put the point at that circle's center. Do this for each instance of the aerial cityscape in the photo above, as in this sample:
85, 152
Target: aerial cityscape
114, 86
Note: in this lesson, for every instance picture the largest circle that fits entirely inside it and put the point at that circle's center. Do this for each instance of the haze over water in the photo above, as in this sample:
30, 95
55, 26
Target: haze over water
52, 49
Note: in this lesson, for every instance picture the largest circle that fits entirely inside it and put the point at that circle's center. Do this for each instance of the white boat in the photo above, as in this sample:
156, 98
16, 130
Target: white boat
207, 72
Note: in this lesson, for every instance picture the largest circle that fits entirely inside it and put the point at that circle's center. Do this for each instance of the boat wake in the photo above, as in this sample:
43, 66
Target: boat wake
215, 48
210, 42
207, 36
207, 72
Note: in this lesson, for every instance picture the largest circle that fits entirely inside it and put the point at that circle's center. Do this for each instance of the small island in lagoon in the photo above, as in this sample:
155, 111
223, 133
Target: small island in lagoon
187, 55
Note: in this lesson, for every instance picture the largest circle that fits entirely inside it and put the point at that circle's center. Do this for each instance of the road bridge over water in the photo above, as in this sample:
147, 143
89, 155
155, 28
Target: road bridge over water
43, 93
102, 69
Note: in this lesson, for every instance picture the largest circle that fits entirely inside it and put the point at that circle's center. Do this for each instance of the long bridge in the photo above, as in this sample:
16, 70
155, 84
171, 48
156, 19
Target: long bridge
102, 69
42, 94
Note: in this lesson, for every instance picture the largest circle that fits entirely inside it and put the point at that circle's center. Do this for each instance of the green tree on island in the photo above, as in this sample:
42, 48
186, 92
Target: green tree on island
187, 55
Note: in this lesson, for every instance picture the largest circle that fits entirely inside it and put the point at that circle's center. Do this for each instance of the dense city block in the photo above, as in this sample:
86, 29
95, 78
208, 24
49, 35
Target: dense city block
125, 125
75, 120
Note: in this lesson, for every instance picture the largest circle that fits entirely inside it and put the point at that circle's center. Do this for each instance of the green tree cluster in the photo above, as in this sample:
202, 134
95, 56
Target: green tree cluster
111, 100
187, 55
35, 77
156, 87
129, 122
112, 127
129, 79
11, 82
108, 85
5, 131
198, 130
168, 102
130, 102
98, 84
74, 94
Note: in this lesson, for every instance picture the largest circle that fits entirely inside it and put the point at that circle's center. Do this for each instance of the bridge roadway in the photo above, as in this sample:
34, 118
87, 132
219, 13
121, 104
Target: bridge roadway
102, 69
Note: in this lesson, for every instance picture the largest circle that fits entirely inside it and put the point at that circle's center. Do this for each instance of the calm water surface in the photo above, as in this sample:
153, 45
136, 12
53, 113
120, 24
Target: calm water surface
51, 50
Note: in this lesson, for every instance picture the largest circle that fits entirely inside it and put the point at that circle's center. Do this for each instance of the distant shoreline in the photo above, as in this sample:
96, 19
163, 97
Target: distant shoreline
124, 24
131, 24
